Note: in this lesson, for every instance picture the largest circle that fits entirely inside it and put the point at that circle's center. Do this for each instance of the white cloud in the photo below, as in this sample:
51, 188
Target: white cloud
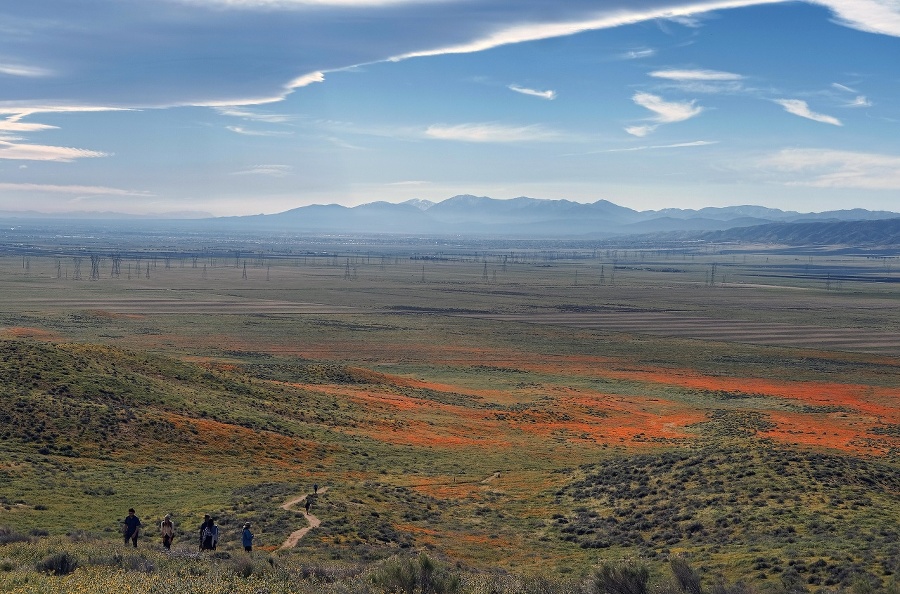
306, 79
640, 131
638, 54
412, 182
22, 70
822, 168
488, 132
58, 189
248, 132
667, 112
293, 4
12, 124
269, 118
841, 87
269, 170
800, 108
20, 110
549, 94
614, 17
663, 146
693, 75
39, 152
860, 101
871, 16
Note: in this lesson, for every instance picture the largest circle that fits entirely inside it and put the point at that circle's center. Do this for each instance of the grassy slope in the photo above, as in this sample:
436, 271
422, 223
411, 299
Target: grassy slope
405, 414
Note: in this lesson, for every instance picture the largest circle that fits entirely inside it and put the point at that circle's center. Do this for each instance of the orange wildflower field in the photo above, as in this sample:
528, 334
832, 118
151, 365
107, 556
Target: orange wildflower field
481, 420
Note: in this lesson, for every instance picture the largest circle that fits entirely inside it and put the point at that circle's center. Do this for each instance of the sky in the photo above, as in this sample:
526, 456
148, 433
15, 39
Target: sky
232, 107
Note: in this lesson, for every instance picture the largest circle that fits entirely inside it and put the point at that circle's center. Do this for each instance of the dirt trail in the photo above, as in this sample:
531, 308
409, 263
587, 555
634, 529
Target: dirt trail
296, 535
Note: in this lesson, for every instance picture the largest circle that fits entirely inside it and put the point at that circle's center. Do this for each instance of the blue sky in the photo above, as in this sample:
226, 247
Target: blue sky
258, 106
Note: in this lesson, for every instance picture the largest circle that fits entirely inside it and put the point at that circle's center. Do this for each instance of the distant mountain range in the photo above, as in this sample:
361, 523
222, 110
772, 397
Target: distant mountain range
531, 218
534, 218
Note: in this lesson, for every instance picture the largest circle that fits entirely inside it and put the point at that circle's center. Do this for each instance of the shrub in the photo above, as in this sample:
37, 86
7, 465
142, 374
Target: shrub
415, 576
8, 535
688, 579
243, 566
58, 564
623, 577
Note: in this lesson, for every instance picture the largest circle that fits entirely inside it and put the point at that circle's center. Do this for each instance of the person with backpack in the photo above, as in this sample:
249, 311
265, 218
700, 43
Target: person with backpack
167, 530
206, 534
215, 535
247, 538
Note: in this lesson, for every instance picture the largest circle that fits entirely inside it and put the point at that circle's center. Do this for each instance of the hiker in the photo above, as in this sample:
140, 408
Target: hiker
308, 503
206, 533
167, 530
131, 527
215, 535
315, 488
247, 538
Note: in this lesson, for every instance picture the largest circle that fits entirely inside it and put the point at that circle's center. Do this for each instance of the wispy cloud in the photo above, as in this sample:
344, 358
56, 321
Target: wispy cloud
859, 101
871, 16
249, 132
253, 116
295, 4
13, 124
638, 54
59, 189
490, 132
663, 146
40, 152
800, 108
841, 87
667, 112
549, 94
306, 80
822, 168
694, 75
23, 70
411, 182
267, 170
615, 17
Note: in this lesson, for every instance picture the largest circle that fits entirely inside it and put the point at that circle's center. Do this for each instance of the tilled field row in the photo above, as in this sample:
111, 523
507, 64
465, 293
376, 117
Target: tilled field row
676, 325
186, 306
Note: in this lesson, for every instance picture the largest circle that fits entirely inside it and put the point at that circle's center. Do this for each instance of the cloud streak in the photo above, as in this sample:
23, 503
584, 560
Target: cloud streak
491, 132
40, 152
550, 95
266, 170
613, 17
22, 70
61, 189
663, 146
822, 168
695, 75
800, 108
667, 112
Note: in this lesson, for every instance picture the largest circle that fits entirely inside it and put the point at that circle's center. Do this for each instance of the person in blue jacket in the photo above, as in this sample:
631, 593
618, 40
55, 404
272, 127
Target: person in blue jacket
131, 528
247, 538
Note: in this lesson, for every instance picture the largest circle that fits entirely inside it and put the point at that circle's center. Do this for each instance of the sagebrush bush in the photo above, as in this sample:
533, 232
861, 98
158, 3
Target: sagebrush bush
58, 564
620, 577
415, 576
8, 535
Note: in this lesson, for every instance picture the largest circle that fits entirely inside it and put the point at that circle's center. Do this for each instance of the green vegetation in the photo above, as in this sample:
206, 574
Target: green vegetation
527, 433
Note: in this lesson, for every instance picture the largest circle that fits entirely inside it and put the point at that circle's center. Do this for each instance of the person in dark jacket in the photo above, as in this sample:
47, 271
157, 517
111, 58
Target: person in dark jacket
247, 538
131, 528
206, 534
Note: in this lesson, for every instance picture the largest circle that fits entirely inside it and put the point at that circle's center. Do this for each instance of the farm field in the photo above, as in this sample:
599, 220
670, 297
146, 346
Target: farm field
532, 410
